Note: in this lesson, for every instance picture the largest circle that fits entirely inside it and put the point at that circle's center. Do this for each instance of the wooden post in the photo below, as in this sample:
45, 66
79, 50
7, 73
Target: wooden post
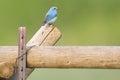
47, 35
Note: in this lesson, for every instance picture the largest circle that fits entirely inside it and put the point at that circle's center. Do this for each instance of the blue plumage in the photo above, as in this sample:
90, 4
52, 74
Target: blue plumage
51, 16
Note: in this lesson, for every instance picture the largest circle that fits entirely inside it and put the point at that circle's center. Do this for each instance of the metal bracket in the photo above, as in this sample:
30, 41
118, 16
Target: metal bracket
22, 53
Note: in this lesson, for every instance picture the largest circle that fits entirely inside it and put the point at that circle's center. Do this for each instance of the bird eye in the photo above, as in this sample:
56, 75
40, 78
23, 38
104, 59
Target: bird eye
55, 8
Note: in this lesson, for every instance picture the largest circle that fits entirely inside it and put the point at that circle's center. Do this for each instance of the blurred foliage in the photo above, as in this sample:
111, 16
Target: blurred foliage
82, 22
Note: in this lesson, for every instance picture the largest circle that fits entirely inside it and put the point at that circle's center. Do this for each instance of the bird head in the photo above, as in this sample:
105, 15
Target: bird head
54, 8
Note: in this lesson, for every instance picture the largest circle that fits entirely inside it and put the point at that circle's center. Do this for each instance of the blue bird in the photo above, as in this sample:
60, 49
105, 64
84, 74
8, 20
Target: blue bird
51, 16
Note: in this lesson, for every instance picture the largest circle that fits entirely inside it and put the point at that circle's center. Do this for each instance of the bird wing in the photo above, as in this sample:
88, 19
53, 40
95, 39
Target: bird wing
45, 20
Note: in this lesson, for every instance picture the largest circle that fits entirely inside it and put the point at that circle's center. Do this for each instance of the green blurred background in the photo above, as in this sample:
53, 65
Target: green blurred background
82, 22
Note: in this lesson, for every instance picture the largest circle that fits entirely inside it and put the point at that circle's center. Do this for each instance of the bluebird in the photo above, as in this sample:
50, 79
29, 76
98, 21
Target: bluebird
51, 16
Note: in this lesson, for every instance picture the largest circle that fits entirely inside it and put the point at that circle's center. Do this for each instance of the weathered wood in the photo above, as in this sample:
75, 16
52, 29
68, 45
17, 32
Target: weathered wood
46, 35
68, 57
65, 57
6, 70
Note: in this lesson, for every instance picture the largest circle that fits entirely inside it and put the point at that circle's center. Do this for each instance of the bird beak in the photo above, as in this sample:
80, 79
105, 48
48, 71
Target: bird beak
57, 9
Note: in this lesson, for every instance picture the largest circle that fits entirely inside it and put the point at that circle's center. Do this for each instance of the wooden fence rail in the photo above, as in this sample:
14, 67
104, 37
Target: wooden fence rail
66, 56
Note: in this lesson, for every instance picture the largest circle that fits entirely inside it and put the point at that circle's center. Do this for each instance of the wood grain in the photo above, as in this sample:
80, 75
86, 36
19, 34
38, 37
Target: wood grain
68, 56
